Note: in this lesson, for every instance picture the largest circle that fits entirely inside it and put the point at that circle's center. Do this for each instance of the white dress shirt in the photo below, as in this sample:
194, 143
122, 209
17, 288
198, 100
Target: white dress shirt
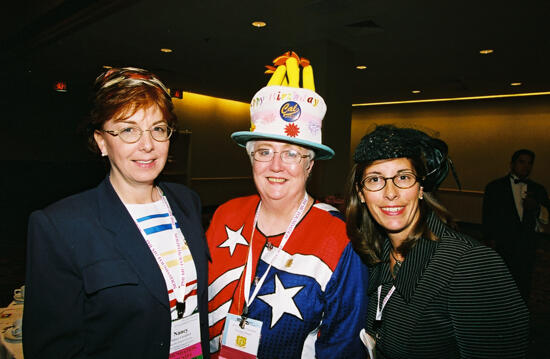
520, 192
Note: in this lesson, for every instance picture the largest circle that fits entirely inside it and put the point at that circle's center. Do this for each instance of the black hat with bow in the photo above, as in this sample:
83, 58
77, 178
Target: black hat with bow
388, 141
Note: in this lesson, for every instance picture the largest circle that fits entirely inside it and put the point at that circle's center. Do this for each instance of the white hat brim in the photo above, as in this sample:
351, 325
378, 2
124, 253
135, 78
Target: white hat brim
322, 152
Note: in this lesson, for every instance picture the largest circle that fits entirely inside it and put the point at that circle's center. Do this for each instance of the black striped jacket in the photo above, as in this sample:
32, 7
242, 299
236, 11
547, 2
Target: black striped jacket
454, 298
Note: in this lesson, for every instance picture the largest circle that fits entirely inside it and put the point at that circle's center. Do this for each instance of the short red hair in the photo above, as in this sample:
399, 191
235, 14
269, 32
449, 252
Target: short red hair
120, 93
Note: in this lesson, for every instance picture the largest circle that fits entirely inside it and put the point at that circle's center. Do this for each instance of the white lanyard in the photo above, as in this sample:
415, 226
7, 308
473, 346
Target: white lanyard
179, 292
384, 302
248, 272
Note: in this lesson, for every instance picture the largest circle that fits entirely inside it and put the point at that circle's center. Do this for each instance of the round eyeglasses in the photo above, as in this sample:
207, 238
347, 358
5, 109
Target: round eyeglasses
132, 134
402, 180
267, 154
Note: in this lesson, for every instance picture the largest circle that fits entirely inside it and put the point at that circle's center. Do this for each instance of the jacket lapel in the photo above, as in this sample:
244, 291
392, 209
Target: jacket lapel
380, 273
509, 197
191, 230
128, 240
412, 269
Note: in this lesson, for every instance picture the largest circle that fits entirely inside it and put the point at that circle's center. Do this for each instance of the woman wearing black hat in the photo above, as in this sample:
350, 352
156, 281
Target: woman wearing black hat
434, 292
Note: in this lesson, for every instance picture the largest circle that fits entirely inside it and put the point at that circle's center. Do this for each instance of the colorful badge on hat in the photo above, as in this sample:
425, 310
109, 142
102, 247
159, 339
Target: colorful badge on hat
284, 111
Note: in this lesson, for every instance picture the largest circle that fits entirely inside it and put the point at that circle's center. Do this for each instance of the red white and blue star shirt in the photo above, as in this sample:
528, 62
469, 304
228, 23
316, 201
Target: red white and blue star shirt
313, 302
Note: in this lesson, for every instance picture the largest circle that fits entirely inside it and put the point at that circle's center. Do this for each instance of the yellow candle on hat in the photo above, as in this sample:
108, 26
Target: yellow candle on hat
278, 76
293, 72
308, 81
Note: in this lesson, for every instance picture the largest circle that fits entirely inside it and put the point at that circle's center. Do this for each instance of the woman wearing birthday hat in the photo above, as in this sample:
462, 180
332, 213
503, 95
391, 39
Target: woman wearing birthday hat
284, 280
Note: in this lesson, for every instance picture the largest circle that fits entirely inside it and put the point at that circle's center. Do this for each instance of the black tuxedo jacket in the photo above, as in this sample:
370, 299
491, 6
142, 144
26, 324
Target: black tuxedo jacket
501, 222
93, 287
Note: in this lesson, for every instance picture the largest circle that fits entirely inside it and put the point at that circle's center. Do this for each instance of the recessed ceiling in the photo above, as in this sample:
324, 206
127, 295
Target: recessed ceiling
425, 44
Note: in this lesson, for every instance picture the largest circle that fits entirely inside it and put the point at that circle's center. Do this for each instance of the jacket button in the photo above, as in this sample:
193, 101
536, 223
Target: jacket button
161, 344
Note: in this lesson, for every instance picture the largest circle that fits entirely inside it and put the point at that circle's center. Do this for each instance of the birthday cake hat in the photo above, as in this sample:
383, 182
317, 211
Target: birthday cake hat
283, 111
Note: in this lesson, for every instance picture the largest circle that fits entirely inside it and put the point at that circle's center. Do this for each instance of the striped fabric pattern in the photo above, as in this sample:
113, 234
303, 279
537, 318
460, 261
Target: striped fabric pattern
313, 301
454, 298
154, 220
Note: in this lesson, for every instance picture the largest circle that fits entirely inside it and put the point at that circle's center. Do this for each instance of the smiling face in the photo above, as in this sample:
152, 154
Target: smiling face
134, 164
395, 209
276, 180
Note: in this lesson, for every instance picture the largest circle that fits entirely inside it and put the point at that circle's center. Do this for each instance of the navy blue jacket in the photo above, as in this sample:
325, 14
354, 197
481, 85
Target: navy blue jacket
93, 287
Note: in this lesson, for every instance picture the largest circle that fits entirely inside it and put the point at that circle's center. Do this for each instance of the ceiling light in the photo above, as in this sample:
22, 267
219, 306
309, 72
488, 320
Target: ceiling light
515, 84
360, 67
415, 91
166, 50
486, 51
259, 23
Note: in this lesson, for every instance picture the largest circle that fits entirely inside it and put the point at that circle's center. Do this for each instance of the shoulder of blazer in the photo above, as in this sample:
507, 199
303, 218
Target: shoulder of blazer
82, 204
499, 182
452, 242
538, 187
452, 245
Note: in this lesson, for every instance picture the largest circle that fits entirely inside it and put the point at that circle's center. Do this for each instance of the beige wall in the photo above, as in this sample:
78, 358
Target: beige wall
219, 168
481, 134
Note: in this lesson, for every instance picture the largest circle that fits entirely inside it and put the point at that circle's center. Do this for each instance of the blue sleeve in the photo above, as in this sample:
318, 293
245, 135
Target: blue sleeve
52, 316
346, 303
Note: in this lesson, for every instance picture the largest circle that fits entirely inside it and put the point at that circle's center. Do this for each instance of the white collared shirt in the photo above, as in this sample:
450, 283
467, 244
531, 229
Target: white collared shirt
520, 192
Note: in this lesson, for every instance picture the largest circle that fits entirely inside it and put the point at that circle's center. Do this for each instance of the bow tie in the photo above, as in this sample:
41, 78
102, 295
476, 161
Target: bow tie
519, 180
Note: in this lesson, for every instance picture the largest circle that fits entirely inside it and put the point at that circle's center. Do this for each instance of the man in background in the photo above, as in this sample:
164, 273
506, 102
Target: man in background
514, 210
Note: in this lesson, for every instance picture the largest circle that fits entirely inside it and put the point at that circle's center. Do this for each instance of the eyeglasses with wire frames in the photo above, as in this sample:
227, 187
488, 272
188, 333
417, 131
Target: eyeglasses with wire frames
403, 180
287, 156
132, 134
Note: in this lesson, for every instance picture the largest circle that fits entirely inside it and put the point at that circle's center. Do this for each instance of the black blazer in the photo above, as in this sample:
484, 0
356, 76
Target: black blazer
93, 287
501, 222
454, 298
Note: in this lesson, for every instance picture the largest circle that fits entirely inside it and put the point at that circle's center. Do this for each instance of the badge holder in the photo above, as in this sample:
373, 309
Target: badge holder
241, 337
185, 341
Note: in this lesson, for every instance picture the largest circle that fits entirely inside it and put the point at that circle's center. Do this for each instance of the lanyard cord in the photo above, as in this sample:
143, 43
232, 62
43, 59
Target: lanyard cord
179, 292
379, 309
248, 272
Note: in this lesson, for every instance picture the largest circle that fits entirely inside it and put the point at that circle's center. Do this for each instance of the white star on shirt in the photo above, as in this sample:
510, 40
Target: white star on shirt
233, 238
281, 301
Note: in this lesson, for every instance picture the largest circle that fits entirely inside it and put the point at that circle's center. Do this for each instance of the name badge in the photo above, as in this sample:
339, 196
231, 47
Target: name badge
185, 341
240, 341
